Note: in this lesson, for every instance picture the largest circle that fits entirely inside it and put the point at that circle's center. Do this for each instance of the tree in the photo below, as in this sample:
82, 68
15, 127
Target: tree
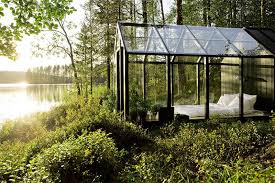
179, 12
162, 11
69, 51
88, 45
29, 17
107, 13
61, 43
144, 11
263, 12
181, 68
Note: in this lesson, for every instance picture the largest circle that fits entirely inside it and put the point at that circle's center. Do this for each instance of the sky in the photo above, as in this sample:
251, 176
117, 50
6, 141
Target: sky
25, 59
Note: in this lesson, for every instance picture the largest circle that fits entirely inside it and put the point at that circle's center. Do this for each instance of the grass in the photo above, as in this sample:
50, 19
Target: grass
83, 141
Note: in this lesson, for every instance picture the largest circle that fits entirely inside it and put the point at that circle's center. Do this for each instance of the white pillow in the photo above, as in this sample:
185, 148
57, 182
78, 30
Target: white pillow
248, 105
222, 101
250, 101
226, 99
235, 102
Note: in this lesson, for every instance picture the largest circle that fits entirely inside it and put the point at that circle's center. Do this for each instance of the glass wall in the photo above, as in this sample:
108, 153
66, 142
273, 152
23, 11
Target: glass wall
188, 86
147, 85
224, 87
185, 80
258, 80
192, 79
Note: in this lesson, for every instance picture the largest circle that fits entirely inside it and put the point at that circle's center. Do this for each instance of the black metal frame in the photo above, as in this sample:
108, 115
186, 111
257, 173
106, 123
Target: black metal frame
123, 74
241, 110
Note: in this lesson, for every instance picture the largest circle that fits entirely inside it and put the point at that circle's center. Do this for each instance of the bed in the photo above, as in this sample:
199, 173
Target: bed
227, 106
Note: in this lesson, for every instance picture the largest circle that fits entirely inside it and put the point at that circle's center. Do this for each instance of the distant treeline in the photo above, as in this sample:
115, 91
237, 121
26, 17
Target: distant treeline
12, 76
63, 74
49, 75
56, 74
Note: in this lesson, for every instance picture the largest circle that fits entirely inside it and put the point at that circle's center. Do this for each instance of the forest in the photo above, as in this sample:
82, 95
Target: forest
84, 139
94, 45
57, 74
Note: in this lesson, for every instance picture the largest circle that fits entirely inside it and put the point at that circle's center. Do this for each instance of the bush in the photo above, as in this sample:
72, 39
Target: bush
76, 148
109, 101
79, 116
126, 135
158, 166
91, 157
236, 171
223, 142
54, 118
182, 152
22, 130
12, 161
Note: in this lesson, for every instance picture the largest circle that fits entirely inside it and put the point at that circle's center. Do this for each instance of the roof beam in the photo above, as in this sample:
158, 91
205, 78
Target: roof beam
122, 38
196, 41
180, 39
228, 41
161, 39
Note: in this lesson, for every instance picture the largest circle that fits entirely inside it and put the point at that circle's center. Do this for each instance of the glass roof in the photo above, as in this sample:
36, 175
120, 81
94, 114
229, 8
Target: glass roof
189, 40
143, 39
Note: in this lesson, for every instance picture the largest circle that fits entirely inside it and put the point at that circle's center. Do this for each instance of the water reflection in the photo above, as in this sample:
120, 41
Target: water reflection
21, 99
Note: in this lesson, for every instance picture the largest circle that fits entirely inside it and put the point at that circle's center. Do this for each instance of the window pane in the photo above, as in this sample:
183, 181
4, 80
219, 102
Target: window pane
142, 39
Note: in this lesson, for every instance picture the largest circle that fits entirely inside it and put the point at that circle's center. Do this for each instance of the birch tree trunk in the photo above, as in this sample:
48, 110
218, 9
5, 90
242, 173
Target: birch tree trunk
108, 57
71, 55
91, 47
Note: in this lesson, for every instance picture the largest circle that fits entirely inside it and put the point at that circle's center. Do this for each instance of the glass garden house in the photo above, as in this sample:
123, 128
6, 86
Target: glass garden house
195, 71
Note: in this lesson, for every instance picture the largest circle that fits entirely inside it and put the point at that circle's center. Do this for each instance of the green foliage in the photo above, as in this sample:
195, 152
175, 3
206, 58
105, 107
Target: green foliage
12, 162
208, 152
138, 106
23, 130
222, 142
126, 135
84, 142
54, 118
30, 17
91, 157
68, 126
109, 100
236, 171
231, 13
80, 115
159, 166
155, 108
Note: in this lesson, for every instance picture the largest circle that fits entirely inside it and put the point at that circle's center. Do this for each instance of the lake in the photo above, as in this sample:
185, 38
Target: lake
18, 100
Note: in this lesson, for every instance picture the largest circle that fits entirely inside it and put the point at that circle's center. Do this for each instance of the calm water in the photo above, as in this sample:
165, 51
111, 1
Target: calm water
18, 100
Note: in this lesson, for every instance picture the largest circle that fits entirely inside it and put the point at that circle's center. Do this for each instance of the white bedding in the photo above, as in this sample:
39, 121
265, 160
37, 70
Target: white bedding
194, 111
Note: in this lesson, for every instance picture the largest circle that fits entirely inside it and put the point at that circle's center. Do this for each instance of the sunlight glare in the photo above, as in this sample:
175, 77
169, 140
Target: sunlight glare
23, 84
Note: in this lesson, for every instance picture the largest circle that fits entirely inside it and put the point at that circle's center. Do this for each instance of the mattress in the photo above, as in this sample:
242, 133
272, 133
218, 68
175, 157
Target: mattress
194, 111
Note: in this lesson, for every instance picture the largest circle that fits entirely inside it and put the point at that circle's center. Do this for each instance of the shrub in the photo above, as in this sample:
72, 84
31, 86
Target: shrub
76, 148
126, 135
223, 142
22, 130
109, 101
12, 162
160, 165
235, 171
54, 118
91, 157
